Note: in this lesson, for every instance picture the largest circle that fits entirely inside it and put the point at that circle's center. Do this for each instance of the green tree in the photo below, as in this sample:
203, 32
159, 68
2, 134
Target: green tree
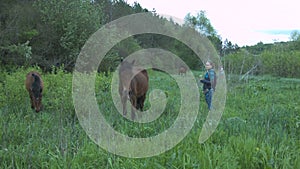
228, 47
295, 39
202, 24
295, 36
17, 29
65, 26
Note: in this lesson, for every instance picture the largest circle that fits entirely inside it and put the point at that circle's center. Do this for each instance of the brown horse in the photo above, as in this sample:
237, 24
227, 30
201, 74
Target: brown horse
182, 70
133, 86
34, 85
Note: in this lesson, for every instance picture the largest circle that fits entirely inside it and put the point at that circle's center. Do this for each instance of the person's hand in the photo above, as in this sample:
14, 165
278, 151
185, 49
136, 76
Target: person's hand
205, 81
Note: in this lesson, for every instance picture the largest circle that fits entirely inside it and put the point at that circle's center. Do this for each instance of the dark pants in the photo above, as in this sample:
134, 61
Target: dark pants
208, 98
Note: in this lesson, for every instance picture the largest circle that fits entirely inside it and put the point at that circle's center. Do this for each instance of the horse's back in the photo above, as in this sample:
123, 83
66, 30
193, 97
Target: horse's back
30, 79
182, 70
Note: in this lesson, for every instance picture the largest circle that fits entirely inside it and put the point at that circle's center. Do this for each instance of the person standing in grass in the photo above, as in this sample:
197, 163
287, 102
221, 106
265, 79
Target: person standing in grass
209, 83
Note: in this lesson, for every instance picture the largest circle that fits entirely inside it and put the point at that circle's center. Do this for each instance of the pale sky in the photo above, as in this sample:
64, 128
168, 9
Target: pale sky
242, 22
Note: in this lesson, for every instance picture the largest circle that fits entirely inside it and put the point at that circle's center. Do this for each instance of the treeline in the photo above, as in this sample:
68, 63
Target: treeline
51, 33
278, 59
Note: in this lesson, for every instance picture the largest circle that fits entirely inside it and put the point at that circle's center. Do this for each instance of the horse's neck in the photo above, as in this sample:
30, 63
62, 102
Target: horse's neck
136, 70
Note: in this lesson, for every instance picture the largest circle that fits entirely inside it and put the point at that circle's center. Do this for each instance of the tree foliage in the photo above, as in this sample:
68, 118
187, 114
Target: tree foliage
201, 23
65, 26
279, 59
17, 28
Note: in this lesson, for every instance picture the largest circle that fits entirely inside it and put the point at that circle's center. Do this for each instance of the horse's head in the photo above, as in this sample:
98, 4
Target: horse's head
37, 93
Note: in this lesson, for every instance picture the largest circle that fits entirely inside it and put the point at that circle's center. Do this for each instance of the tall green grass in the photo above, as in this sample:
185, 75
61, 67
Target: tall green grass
260, 127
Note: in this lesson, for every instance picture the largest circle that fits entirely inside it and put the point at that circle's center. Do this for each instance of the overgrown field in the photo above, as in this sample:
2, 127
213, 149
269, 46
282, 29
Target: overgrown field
260, 127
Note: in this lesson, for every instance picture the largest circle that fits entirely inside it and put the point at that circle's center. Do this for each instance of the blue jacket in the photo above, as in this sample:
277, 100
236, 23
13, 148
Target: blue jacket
209, 80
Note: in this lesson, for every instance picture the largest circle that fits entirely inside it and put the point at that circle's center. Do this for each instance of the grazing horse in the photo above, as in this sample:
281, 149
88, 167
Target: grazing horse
34, 85
133, 86
182, 70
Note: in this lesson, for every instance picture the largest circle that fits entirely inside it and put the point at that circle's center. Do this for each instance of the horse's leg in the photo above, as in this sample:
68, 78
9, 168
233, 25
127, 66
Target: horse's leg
133, 100
124, 109
31, 101
142, 100
124, 100
139, 102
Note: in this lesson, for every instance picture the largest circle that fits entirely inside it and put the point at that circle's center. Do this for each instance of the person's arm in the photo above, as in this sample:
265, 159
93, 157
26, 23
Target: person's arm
205, 81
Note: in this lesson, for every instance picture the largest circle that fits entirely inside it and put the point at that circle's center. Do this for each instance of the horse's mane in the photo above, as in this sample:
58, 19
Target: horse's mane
125, 66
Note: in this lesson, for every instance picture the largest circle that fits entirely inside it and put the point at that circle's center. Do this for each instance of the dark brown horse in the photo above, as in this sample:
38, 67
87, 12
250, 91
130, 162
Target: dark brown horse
133, 86
34, 85
182, 70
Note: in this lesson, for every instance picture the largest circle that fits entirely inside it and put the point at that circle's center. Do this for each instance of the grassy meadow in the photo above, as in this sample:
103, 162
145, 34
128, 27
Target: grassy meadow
259, 129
